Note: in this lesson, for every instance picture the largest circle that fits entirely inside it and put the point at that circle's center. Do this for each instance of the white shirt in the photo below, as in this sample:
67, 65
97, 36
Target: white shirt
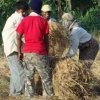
34, 14
78, 35
9, 34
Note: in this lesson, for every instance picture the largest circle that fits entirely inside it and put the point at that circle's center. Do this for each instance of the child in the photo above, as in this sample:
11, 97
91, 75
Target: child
80, 38
35, 30
9, 36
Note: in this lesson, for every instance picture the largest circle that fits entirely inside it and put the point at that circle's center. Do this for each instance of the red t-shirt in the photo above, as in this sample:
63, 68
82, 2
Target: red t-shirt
34, 28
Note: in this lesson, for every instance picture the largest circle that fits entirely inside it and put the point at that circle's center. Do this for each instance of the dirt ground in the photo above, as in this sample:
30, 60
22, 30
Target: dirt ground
4, 80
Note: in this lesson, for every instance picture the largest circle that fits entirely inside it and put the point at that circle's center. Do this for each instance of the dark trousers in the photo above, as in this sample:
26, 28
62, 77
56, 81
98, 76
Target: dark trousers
88, 52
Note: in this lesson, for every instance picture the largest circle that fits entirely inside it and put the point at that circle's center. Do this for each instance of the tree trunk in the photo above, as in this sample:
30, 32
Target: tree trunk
99, 3
59, 8
69, 5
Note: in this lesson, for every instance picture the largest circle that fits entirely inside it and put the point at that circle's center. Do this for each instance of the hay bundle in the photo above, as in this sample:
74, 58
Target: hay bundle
71, 80
58, 39
95, 69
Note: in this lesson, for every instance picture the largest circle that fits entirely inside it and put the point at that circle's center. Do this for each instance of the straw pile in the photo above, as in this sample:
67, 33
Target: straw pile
96, 69
71, 80
58, 42
58, 39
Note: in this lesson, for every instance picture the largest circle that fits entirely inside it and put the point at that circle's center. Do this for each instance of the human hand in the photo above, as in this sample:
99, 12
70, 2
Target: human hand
21, 56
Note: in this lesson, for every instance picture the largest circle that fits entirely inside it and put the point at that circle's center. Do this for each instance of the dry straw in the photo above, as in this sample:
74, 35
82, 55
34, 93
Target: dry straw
58, 39
71, 80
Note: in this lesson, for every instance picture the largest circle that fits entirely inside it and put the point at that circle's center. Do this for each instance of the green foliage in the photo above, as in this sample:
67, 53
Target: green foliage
6, 8
91, 21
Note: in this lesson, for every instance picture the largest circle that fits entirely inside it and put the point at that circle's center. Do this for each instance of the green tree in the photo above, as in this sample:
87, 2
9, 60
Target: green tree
83, 5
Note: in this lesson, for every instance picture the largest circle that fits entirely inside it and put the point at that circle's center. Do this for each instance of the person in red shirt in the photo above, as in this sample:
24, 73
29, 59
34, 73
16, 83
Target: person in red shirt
35, 30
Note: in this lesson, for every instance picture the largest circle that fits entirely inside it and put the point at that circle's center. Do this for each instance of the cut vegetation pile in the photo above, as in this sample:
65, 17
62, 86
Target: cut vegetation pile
70, 80
4, 78
58, 39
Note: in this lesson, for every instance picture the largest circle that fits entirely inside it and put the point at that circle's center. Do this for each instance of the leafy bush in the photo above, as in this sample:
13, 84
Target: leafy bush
91, 21
6, 9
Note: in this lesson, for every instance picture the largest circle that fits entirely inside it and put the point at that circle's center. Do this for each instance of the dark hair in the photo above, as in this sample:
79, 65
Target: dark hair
21, 5
36, 5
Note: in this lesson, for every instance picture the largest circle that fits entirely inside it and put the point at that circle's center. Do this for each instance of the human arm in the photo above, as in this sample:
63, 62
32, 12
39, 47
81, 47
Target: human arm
46, 42
19, 41
46, 32
20, 32
73, 44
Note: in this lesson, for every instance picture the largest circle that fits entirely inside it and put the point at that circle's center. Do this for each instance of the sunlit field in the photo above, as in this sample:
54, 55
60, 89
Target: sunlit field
4, 80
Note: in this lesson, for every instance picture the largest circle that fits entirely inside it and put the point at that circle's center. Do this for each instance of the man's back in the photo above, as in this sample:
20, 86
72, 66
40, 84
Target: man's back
34, 28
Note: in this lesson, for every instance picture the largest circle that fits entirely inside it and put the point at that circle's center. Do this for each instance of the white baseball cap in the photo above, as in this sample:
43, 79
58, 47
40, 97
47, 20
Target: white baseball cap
46, 8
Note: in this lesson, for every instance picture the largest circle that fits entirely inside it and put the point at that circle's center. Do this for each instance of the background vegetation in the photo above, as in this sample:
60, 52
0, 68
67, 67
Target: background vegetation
87, 11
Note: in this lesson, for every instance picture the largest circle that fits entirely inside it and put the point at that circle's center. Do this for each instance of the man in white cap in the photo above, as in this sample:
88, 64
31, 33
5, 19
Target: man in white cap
46, 12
